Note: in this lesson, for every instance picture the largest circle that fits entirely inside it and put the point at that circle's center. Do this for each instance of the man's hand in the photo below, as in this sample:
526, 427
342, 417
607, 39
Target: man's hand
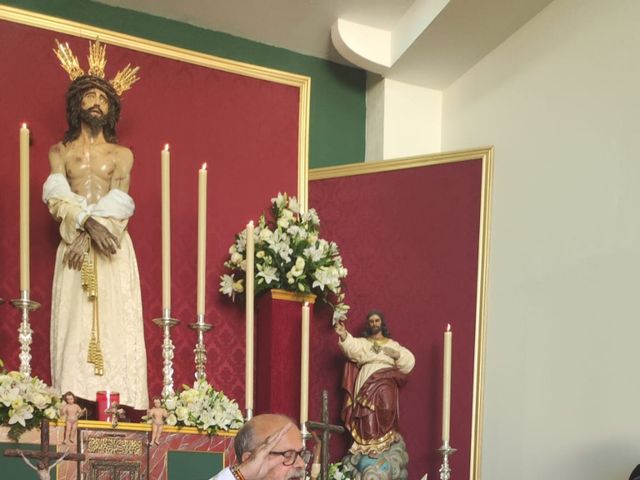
105, 241
341, 330
259, 463
74, 256
391, 352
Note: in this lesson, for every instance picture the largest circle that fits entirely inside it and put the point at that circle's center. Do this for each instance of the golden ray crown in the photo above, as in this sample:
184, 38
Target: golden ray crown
97, 58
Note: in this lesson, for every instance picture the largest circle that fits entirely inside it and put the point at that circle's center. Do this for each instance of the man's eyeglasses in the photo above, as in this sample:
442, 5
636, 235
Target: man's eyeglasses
289, 457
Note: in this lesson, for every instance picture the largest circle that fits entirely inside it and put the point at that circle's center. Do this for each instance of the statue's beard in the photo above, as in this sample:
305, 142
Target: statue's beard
95, 122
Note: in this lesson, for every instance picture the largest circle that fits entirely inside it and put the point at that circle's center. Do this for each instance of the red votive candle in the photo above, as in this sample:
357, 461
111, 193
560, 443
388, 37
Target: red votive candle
105, 398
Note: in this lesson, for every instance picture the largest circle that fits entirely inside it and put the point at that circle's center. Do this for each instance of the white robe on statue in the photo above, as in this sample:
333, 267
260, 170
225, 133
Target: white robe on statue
360, 351
120, 307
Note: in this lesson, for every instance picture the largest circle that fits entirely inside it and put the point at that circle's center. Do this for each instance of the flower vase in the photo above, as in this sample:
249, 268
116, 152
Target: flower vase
278, 349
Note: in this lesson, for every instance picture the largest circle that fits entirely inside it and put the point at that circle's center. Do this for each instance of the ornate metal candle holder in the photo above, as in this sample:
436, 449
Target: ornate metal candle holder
166, 322
25, 334
445, 451
200, 351
306, 435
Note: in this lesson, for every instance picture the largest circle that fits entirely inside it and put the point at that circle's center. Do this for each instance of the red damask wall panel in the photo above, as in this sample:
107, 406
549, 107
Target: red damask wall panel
409, 239
246, 129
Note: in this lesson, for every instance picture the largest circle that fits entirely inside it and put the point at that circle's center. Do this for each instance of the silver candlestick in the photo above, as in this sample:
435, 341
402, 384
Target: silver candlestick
25, 333
166, 322
445, 451
306, 435
200, 351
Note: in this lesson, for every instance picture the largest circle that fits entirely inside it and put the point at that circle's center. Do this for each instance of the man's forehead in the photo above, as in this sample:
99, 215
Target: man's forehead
272, 424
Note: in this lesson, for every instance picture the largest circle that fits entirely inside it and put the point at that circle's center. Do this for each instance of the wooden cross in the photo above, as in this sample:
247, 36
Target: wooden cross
44, 456
326, 428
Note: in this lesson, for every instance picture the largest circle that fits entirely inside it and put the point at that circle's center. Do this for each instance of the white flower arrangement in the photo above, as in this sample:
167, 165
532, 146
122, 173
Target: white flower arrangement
26, 401
202, 407
289, 255
341, 471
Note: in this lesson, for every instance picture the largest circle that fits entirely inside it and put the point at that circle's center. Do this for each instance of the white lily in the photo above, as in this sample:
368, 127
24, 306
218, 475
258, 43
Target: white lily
20, 414
267, 273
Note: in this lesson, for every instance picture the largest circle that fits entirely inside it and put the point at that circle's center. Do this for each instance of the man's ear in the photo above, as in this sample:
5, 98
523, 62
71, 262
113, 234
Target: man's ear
245, 455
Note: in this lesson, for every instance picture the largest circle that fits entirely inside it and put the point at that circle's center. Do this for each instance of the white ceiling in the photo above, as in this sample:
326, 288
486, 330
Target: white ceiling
460, 35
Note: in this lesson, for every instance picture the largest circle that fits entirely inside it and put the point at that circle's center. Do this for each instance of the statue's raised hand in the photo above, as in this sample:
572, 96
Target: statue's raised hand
341, 330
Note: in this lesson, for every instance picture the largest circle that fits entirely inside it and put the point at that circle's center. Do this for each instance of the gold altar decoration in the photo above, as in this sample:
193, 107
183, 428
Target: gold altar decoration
114, 446
97, 58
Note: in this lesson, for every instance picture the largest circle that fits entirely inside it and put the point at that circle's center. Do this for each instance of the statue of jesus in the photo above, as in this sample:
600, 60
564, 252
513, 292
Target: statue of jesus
377, 367
97, 338
43, 471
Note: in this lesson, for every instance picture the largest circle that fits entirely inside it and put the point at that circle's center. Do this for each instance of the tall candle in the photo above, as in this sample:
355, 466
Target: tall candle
304, 366
202, 237
249, 291
24, 208
446, 385
165, 169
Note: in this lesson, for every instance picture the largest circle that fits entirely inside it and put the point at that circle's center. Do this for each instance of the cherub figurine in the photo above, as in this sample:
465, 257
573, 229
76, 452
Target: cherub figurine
115, 412
71, 412
157, 414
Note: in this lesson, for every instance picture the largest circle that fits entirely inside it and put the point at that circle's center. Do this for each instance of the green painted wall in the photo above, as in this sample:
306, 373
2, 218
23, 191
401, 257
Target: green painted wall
337, 125
193, 465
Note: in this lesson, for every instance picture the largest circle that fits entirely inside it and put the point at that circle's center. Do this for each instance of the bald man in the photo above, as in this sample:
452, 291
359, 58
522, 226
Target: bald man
268, 447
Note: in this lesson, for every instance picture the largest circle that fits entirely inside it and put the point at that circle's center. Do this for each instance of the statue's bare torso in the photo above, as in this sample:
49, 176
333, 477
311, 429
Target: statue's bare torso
92, 166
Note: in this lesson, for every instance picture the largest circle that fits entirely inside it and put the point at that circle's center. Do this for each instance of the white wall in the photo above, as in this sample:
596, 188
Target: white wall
560, 100
374, 145
402, 119
413, 120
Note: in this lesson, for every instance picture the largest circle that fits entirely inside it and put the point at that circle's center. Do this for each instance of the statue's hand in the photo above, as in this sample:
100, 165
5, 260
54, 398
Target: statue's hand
259, 464
341, 330
393, 353
74, 256
105, 241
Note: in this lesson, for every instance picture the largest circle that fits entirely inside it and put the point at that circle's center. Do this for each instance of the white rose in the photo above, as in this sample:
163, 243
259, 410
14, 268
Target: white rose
182, 413
40, 401
236, 258
51, 413
265, 234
